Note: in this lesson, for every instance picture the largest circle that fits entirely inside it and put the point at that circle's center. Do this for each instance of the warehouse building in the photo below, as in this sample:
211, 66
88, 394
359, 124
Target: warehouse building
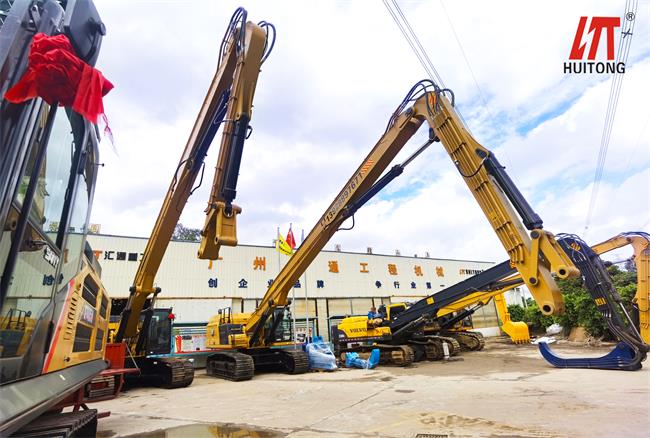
336, 284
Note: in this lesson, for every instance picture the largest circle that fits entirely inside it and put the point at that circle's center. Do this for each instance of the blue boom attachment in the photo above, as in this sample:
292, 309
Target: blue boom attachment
623, 358
631, 350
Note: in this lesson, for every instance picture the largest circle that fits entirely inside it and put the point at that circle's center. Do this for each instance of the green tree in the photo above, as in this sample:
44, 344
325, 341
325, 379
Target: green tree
516, 312
181, 232
535, 319
580, 309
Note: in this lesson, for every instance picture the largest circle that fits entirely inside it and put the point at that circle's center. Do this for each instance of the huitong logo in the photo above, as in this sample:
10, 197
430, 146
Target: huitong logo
584, 46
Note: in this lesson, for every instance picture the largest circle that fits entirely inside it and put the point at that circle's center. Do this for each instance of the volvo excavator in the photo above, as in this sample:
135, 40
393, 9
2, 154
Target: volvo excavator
424, 326
54, 310
245, 47
537, 257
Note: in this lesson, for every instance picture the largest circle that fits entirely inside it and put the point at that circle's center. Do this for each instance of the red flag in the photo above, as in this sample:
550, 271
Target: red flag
290, 239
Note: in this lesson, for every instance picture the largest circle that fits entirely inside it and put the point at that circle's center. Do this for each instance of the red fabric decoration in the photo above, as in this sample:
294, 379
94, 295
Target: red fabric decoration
56, 74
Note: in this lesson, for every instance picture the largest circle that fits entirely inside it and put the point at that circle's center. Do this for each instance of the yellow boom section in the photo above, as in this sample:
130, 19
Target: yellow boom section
535, 256
237, 75
220, 224
362, 179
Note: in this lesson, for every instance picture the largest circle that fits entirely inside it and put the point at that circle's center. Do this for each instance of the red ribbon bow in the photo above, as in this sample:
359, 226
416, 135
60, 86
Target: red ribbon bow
56, 74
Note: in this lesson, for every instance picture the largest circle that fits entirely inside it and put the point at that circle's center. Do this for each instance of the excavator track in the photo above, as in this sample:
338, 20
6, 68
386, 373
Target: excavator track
428, 349
397, 355
469, 341
452, 344
295, 361
180, 372
230, 365
433, 346
69, 424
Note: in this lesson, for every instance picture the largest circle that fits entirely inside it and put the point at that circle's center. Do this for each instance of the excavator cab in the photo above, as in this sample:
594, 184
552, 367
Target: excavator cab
159, 340
280, 326
394, 310
43, 240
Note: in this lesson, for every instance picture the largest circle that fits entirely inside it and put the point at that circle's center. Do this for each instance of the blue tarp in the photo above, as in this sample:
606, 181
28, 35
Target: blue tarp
320, 355
353, 360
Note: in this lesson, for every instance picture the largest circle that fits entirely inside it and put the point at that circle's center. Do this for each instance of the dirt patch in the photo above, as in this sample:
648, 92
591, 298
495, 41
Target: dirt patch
457, 425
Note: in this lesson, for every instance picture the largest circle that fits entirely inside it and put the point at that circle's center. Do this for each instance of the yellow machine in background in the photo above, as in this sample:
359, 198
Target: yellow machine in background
517, 330
640, 242
420, 326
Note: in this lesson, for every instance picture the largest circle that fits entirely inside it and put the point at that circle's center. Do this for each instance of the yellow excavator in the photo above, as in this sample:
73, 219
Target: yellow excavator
54, 310
464, 308
228, 103
536, 256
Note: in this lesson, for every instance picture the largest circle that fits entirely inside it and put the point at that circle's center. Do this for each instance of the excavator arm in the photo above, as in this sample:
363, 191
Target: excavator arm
229, 102
221, 214
535, 255
364, 183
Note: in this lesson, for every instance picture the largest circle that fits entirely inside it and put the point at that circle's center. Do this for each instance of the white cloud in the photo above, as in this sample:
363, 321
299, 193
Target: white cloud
324, 96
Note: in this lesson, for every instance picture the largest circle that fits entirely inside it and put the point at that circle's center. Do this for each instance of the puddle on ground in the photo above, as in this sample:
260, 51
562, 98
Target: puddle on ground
209, 431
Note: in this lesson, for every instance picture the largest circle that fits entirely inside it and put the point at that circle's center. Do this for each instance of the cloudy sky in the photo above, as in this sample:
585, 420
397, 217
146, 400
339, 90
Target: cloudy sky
338, 70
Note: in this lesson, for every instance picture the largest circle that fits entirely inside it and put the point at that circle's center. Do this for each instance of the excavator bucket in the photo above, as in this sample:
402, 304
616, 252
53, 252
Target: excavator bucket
518, 331
623, 357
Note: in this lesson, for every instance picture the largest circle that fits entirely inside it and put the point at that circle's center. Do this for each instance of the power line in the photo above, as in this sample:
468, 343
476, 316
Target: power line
636, 145
418, 49
411, 43
417, 41
614, 94
469, 67
478, 87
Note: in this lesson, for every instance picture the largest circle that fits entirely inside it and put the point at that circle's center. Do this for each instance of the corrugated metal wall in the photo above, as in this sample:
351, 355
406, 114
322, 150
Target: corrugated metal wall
351, 282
